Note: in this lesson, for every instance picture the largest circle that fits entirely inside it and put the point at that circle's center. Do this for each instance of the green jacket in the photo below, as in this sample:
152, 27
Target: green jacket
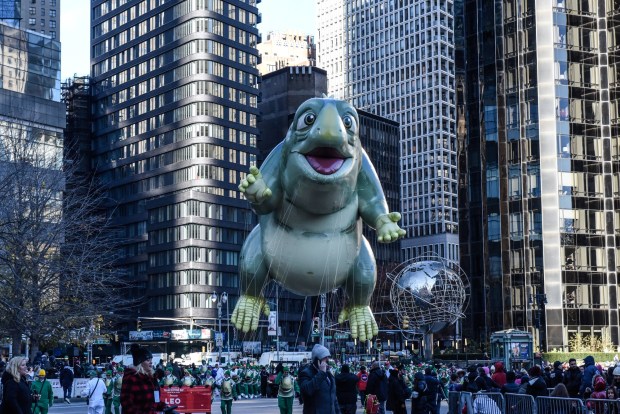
44, 388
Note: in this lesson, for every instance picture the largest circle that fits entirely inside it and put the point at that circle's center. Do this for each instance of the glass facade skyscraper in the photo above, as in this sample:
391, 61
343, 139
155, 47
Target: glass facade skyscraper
395, 59
540, 171
175, 106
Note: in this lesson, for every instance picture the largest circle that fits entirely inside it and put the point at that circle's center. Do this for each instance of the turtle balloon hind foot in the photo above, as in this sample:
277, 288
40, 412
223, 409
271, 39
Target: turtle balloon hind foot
361, 321
247, 313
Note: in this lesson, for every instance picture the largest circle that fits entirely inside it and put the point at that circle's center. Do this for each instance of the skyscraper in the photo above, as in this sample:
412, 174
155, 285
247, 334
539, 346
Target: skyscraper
395, 59
540, 176
37, 15
175, 106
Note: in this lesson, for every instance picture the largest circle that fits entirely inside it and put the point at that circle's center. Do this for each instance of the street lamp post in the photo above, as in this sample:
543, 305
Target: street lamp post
222, 299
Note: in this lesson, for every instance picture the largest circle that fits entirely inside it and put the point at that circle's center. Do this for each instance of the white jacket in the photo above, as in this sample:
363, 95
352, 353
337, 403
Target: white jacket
95, 388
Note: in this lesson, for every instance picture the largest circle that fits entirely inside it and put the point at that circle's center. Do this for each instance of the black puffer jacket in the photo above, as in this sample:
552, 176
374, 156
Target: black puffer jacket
377, 384
17, 398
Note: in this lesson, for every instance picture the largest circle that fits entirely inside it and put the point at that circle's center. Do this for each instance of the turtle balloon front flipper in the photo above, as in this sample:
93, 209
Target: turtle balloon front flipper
361, 321
388, 229
247, 312
254, 187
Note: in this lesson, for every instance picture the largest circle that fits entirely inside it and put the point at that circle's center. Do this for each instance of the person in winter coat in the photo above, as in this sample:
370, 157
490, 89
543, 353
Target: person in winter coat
398, 392
555, 376
94, 392
66, 382
510, 386
418, 394
346, 390
432, 391
377, 385
572, 378
17, 398
362, 381
537, 386
42, 388
139, 384
499, 376
589, 371
599, 393
318, 385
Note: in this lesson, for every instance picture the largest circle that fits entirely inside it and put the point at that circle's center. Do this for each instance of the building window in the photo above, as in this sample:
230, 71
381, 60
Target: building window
53, 24
33, 11
52, 12
42, 22
53, 3
32, 21
53, 34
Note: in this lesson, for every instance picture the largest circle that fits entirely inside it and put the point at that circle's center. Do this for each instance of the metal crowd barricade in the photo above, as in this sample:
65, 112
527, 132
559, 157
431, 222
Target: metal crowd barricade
601, 406
454, 397
519, 404
560, 405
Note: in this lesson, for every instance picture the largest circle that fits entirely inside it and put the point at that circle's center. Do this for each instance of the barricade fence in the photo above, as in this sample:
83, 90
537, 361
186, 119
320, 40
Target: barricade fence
461, 402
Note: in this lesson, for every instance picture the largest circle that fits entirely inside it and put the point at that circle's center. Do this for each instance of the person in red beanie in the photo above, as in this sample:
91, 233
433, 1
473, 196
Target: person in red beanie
140, 389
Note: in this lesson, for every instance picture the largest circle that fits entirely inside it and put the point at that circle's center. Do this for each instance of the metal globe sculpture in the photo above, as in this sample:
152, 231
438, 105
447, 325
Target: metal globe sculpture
428, 294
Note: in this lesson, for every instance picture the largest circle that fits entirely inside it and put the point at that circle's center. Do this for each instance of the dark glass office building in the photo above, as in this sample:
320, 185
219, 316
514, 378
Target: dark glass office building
175, 107
539, 163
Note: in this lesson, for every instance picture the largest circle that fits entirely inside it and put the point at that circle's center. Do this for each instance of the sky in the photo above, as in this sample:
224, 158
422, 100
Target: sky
277, 15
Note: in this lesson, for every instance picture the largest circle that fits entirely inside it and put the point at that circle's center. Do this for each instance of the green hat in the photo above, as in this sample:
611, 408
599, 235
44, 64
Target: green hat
120, 369
170, 369
109, 372
286, 368
226, 372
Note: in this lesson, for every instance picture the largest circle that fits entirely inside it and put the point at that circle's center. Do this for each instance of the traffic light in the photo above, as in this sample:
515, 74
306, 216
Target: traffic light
405, 322
378, 343
316, 327
139, 325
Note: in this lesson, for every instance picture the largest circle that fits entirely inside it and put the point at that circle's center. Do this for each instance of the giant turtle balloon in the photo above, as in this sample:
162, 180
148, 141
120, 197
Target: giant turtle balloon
429, 294
312, 194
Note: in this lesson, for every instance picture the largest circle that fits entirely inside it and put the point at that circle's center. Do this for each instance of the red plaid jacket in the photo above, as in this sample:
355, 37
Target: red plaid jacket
138, 393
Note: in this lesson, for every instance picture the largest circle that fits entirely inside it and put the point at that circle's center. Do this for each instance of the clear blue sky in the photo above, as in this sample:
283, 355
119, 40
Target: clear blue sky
278, 15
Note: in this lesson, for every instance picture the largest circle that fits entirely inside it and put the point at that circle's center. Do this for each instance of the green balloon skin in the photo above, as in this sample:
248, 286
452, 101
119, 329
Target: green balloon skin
309, 238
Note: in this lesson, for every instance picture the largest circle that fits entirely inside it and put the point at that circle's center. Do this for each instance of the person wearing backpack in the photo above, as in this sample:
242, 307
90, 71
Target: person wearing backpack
228, 393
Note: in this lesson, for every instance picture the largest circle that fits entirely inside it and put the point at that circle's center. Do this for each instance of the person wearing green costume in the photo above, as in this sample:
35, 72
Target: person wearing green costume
228, 393
117, 384
107, 395
287, 387
43, 388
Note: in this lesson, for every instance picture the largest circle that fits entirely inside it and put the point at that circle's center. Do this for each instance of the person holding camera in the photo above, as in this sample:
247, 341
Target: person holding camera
17, 398
42, 394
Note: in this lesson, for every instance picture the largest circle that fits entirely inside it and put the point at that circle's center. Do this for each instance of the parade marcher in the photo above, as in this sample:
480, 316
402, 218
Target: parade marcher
188, 379
42, 394
66, 381
94, 390
140, 390
17, 398
228, 392
346, 390
264, 377
287, 387
318, 385
169, 379
106, 376
117, 383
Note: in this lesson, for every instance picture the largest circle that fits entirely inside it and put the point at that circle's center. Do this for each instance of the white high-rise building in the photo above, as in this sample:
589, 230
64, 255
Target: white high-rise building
395, 58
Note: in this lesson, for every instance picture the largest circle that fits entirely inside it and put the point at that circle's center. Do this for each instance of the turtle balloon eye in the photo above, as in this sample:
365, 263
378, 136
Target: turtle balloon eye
306, 120
347, 121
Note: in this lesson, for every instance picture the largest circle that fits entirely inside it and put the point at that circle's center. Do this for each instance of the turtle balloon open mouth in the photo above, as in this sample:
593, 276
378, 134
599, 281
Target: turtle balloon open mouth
324, 160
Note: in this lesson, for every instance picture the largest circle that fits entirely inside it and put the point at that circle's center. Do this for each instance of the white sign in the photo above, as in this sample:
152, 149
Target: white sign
140, 335
273, 324
219, 339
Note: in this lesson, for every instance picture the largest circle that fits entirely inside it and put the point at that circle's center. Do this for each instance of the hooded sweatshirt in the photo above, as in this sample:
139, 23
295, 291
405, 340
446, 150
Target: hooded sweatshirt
500, 375
589, 372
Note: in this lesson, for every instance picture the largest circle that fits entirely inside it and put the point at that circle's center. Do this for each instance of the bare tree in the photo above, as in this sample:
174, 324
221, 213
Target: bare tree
57, 249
